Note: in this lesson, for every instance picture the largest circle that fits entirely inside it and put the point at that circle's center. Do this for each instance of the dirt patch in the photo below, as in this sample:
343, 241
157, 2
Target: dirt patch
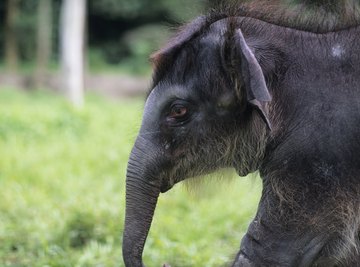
111, 85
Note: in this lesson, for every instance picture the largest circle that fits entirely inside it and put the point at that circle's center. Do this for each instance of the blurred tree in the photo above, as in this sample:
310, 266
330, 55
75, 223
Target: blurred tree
183, 10
125, 32
2, 27
215, 3
26, 30
72, 48
44, 44
20, 31
120, 32
11, 44
168, 10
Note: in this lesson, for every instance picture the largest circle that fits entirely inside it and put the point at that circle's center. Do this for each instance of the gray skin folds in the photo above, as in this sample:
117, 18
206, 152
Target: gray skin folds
237, 92
142, 192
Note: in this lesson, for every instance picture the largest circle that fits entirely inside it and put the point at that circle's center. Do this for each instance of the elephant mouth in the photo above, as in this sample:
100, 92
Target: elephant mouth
166, 185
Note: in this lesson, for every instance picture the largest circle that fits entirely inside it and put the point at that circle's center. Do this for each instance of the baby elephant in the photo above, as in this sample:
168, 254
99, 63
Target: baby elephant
272, 86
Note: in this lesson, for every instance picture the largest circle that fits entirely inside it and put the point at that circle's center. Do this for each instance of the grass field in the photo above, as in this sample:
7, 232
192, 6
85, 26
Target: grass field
62, 181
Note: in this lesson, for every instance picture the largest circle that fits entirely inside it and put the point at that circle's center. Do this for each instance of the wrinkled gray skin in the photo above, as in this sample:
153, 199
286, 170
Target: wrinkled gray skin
309, 161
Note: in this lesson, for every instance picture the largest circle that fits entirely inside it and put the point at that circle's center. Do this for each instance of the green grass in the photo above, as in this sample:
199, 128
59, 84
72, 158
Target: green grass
62, 181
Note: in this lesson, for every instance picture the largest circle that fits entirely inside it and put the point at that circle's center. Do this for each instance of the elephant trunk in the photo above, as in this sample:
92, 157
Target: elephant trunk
142, 191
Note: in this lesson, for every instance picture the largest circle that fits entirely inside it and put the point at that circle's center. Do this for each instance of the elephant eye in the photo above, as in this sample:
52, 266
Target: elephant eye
178, 111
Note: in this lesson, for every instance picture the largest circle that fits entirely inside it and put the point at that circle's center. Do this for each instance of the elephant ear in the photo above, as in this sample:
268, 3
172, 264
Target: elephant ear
253, 78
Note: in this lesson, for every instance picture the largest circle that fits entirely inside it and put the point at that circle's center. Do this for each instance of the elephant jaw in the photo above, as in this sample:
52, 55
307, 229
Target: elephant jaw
165, 186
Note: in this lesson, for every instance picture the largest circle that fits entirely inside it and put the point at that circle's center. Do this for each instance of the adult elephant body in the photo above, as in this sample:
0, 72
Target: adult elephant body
237, 91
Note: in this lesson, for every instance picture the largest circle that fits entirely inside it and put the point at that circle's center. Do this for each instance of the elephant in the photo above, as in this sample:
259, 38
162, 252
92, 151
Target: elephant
267, 86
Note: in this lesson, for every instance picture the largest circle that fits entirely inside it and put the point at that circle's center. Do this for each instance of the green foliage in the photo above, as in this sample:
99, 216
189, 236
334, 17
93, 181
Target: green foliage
26, 29
122, 8
176, 10
142, 30
121, 33
146, 39
62, 178
183, 10
134, 50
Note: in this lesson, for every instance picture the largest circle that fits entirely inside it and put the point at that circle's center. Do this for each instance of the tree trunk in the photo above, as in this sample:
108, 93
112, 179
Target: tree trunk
72, 49
11, 45
44, 44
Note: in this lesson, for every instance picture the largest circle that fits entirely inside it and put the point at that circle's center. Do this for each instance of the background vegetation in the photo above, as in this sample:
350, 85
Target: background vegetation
120, 33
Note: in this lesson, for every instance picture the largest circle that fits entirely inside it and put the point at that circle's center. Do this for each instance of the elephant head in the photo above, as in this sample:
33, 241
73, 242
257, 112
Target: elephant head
207, 110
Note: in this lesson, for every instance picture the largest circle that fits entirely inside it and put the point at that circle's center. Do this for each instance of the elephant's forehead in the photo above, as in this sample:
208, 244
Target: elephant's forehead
163, 93
168, 90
